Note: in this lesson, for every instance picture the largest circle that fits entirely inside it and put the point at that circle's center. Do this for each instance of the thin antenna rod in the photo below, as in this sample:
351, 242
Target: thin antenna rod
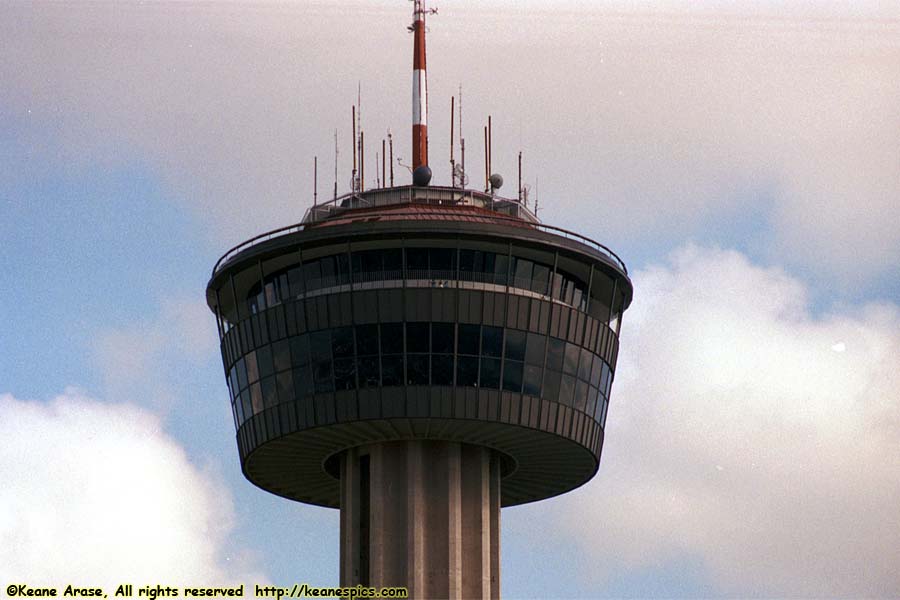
355, 144
335, 163
520, 177
383, 171
486, 167
362, 161
490, 147
452, 142
391, 146
462, 144
315, 180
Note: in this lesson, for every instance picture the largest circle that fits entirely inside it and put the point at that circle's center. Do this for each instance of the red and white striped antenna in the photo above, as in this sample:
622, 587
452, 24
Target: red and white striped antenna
420, 87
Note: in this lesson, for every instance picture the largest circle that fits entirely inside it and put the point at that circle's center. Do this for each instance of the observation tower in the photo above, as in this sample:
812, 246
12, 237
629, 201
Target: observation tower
420, 356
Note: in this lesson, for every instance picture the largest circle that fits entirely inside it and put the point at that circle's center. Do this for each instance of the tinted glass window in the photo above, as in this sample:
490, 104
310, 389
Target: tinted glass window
515, 344
329, 271
581, 394
441, 369
342, 342
241, 373
534, 349
368, 372
523, 270
320, 344
281, 354
252, 369
466, 261
584, 365
442, 338
392, 338
417, 259
284, 386
417, 369
491, 341
345, 374
393, 262
567, 389
556, 354
391, 370
367, 339
441, 259
540, 278
468, 339
467, 371
312, 273
512, 376
490, 373
501, 267
417, 337
343, 268
532, 380
268, 392
322, 376
302, 382
571, 366
371, 261
551, 385
300, 350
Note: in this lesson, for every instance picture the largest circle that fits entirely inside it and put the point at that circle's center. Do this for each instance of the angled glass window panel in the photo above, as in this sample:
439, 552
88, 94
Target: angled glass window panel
571, 365
233, 381
241, 370
417, 369
567, 389
252, 368
581, 395
345, 374
271, 292
342, 342
442, 338
577, 297
392, 370
441, 369
539, 278
372, 262
491, 341
393, 263
466, 263
295, 280
591, 407
512, 376
604, 377
268, 392
532, 380
515, 344
568, 291
368, 372
603, 413
417, 337
329, 271
484, 263
523, 272
356, 266
608, 389
442, 263
596, 370
367, 340
501, 269
281, 355
246, 406
392, 339
312, 275
584, 365
598, 406
467, 371
551, 385
323, 376
534, 349
238, 412
302, 382
320, 344
300, 350
256, 399
556, 354
490, 373
285, 386
342, 267
468, 339
557, 287
417, 263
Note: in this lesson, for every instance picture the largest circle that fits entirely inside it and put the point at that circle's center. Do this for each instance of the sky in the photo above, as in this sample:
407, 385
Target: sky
741, 157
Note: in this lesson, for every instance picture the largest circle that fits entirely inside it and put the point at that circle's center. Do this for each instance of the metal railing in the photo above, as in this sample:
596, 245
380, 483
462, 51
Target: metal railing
297, 227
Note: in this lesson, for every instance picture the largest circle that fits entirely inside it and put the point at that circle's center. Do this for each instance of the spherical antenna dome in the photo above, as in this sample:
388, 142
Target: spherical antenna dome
496, 181
422, 176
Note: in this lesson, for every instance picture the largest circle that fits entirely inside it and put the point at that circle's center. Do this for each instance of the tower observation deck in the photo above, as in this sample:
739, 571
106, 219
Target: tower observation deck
419, 357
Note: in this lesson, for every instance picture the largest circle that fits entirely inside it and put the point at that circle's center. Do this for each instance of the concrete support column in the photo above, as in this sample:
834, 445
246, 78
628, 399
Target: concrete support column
431, 512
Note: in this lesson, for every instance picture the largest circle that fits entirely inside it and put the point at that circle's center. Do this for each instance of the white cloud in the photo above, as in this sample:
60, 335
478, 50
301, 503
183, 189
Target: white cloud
667, 116
97, 494
742, 435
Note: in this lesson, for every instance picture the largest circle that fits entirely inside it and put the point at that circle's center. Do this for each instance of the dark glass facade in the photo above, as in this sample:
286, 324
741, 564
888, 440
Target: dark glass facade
419, 354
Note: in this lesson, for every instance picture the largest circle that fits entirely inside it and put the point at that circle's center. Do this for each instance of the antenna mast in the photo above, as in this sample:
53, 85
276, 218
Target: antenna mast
420, 87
